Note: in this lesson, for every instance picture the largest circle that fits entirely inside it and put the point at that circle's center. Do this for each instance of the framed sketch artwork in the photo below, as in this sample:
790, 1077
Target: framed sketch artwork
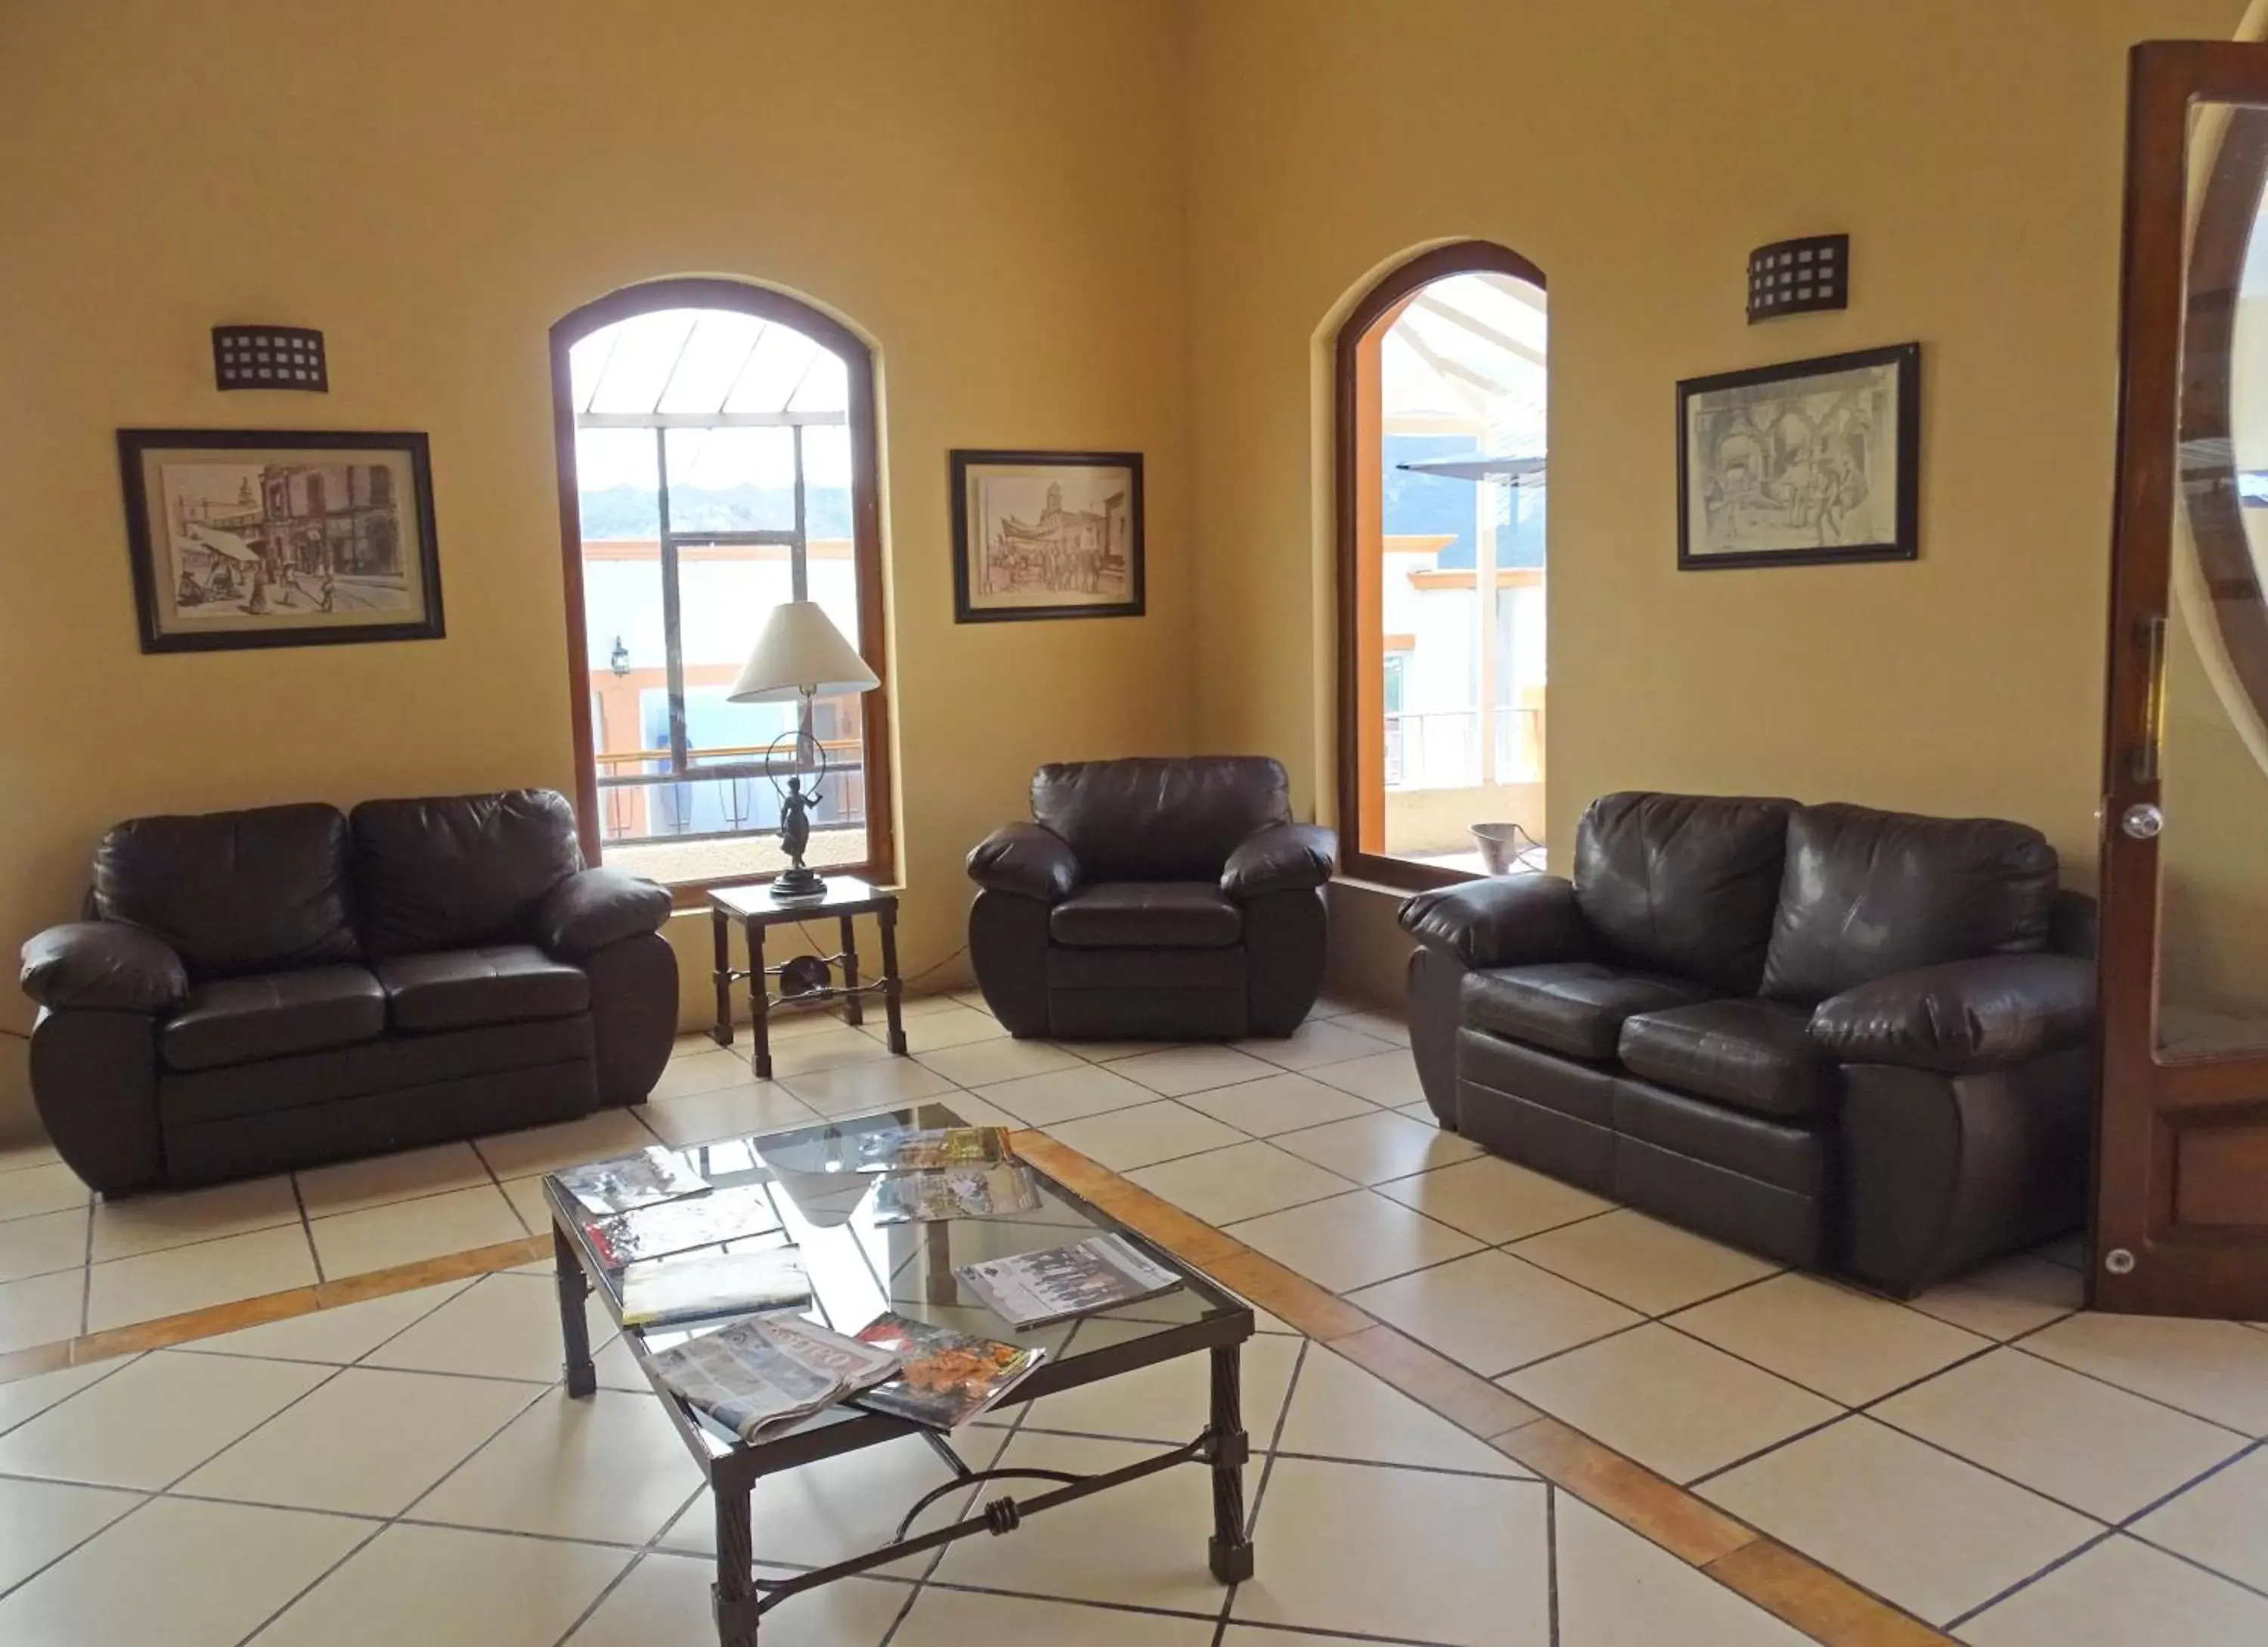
1806, 461
256, 537
1046, 534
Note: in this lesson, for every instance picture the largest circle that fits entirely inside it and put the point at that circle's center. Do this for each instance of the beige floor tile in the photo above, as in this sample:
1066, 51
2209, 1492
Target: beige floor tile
1340, 1411
834, 1048
1329, 1006
379, 1238
708, 1070
2080, 1442
21, 1157
1170, 1401
352, 1186
445, 1587
1110, 1052
30, 1191
150, 1223
1679, 1408
1280, 1102
598, 1136
2222, 1521
1382, 1025
1317, 1041
43, 1244
1492, 1312
1493, 1199
1243, 1181
934, 1030
1350, 1241
154, 1420
989, 1063
2002, 1300
177, 1278
607, 1467
1652, 1266
42, 1310
974, 1111
368, 1442
41, 1520
1469, 1556
1375, 1148
1181, 1069
1844, 1344
527, 1198
2215, 1369
2123, 1594
665, 1601
882, 1085
1618, 1590
1066, 1095
178, 1572
1124, 1140
2070, 1250
1387, 1078
502, 1326
1925, 1530
949, 1618
28, 1398
336, 1337
731, 1113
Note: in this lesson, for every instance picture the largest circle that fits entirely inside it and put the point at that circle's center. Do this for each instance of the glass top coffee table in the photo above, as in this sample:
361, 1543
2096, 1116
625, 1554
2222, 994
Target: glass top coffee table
858, 1268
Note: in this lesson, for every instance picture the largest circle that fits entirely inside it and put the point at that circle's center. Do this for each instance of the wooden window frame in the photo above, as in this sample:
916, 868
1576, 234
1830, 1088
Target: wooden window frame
1375, 308
880, 860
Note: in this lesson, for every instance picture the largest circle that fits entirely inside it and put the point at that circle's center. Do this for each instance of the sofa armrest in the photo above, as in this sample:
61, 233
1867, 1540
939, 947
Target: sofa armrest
104, 965
1963, 1017
1282, 857
1025, 860
594, 908
1505, 921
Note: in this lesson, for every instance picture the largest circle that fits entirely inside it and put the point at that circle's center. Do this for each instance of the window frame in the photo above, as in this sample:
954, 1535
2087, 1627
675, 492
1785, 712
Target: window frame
767, 304
1386, 295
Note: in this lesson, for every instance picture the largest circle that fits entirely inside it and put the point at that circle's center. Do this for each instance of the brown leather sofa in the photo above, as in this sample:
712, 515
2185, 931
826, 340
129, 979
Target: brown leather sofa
262, 990
1841, 1037
1167, 900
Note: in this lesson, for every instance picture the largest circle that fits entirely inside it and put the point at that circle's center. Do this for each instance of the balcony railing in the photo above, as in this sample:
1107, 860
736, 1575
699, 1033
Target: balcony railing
1440, 748
727, 793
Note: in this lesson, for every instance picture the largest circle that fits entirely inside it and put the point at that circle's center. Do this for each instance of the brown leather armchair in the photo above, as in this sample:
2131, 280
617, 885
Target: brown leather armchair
1168, 900
262, 990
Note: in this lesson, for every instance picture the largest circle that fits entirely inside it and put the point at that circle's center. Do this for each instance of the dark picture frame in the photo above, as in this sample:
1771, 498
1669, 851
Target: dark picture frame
1035, 551
1802, 462
250, 538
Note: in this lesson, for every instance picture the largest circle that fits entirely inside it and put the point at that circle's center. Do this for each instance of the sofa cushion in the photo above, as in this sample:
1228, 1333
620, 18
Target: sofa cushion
1683, 884
272, 1014
263, 891
462, 989
1157, 819
1867, 893
1106, 969
1787, 1155
455, 872
1147, 914
1756, 1055
1572, 1007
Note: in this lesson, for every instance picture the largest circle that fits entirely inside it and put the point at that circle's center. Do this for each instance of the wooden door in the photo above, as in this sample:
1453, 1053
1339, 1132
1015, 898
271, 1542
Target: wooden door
2181, 1162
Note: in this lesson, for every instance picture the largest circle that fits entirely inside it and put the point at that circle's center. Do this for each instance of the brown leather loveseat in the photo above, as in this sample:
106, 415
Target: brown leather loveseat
1841, 1037
1152, 899
262, 990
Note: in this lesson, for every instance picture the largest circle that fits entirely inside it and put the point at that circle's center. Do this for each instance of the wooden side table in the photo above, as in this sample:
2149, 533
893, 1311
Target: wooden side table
755, 908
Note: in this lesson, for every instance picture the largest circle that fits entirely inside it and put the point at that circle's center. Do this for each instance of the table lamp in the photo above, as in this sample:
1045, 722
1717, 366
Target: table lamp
799, 657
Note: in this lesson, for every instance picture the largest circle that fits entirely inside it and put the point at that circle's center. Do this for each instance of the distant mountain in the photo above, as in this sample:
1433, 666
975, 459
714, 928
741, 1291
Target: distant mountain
632, 512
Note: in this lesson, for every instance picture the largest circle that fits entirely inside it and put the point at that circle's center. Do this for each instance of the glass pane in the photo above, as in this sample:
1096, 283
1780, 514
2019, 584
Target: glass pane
731, 480
710, 361
775, 371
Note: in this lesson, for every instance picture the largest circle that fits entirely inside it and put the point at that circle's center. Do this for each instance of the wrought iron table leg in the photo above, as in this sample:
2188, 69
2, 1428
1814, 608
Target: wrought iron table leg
886, 918
760, 1000
852, 1012
574, 1326
1229, 1551
732, 1598
720, 930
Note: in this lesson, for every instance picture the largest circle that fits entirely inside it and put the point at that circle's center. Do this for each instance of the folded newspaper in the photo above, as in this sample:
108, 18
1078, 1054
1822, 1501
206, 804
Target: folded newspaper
1029, 1289
701, 1287
755, 1376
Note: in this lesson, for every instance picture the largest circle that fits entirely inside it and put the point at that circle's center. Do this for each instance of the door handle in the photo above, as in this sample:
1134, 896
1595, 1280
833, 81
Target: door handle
2151, 632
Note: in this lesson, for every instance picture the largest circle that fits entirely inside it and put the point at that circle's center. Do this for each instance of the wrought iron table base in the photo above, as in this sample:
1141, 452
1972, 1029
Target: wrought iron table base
851, 992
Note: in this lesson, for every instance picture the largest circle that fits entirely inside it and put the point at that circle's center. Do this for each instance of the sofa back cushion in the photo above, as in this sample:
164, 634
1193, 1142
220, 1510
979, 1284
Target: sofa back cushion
1683, 884
450, 872
1150, 819
255, 891
1868, 893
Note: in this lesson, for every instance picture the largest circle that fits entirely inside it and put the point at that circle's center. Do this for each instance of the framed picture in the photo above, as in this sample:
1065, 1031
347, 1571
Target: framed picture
257, 537
1046, 534
1807, 461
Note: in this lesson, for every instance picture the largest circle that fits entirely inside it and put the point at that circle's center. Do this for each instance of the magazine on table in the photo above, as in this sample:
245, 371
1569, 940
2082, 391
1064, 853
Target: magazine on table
682, 1225
971, 1192
1028, 1290
672, 1291
918, 1148
763, 1373
944, 1378
639, 1180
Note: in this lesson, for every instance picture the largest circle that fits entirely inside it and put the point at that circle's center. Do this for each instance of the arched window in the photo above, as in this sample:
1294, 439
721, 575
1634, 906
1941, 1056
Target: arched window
717, 456
1440, 373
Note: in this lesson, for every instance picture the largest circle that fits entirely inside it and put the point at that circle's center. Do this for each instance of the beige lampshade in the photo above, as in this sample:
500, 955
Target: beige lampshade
800, 653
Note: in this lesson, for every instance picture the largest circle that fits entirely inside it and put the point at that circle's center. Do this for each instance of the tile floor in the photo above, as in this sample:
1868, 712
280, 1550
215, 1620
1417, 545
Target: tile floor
2015, 1471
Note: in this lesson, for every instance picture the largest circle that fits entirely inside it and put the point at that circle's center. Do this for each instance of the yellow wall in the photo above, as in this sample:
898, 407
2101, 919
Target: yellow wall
990, 191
